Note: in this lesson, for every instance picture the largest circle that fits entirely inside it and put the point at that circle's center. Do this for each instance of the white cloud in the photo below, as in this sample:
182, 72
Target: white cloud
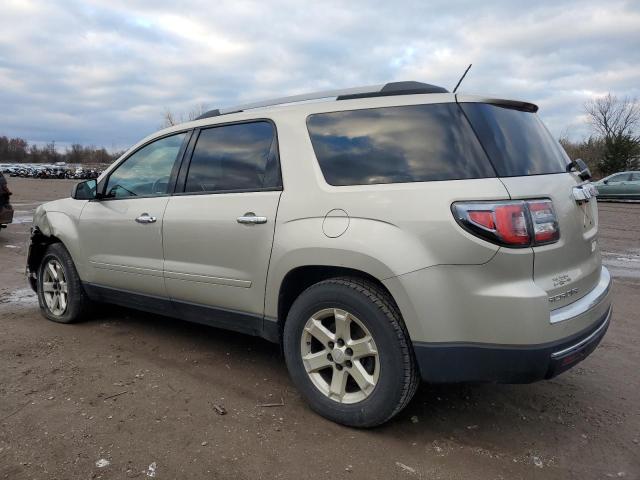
103, 71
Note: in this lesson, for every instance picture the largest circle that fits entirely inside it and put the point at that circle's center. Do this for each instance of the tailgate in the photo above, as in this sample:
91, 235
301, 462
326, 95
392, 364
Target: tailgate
570, 268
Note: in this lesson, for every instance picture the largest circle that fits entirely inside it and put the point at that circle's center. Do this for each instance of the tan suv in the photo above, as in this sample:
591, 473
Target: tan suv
380, 234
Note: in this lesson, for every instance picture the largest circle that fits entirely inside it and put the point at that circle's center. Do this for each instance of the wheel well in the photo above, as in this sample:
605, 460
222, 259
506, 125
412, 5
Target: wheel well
299, 279
39, 244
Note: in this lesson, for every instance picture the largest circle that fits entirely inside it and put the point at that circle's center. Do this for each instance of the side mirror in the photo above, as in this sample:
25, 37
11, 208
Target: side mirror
582, 169
605, 181
85, 190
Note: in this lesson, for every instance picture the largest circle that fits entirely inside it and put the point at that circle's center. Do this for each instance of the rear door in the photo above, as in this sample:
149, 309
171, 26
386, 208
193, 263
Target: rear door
532, 165
632, 189
218, 231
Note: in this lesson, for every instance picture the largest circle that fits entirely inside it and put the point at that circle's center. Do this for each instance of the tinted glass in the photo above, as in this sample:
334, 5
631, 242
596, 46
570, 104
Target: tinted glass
517, 142
413, 143
621, 177
147, 171
234, 157
635, 177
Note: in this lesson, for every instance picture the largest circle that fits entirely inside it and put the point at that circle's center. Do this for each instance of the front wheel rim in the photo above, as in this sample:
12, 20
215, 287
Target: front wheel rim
340, 355
54, 288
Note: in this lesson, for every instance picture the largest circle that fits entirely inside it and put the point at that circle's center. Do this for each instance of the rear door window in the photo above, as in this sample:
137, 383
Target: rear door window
415, 143
516, 141
238, 157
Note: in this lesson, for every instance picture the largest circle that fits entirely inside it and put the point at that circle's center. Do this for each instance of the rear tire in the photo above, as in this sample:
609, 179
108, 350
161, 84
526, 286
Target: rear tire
61, 296
348, 352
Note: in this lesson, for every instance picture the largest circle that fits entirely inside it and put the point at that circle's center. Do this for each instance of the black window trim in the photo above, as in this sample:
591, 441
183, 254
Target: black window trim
102, 185
181, 180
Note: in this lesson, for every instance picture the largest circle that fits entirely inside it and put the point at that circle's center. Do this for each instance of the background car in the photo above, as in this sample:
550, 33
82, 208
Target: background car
620, 185
6, 210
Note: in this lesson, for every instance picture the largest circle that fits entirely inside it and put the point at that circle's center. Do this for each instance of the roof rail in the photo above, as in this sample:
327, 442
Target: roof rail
383, 90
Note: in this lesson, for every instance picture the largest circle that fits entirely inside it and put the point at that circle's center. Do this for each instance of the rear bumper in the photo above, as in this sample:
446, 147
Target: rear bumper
507, 364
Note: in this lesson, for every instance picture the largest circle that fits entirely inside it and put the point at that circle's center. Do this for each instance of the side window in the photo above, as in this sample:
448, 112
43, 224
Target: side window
621, 177
635, 177
416, 143
147, 171
234, 157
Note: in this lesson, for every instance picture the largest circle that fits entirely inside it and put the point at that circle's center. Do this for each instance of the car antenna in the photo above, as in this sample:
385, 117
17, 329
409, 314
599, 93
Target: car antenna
462, 77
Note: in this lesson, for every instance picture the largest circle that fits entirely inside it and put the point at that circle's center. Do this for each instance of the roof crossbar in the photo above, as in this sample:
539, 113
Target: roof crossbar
382, 90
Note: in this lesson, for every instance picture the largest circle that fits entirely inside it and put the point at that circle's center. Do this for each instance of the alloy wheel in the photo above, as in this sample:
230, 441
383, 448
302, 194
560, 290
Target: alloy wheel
340, 355
54, 288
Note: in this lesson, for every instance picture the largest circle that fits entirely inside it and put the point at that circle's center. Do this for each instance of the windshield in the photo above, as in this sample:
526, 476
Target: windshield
517, 142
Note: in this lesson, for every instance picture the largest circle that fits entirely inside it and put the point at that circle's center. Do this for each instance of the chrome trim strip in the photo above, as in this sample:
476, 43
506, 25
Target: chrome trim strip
586, 303
191, 277
576, 346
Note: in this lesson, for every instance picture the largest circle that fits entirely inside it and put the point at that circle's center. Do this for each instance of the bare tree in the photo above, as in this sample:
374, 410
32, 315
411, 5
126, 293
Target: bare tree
169, 119
612, 117
616, 121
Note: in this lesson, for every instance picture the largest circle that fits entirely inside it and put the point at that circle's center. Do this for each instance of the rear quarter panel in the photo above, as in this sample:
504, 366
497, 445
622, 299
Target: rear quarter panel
392, 228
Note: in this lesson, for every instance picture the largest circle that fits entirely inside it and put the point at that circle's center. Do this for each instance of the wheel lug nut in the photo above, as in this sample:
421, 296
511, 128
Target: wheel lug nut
340, 342
349, 352
338, 366
348, 364
331, 344
329, 357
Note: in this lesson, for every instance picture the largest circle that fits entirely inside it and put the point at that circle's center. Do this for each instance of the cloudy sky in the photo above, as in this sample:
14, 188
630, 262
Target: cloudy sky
102, 72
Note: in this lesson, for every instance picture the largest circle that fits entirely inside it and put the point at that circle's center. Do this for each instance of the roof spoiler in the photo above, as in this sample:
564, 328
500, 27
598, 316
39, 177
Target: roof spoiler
514, 104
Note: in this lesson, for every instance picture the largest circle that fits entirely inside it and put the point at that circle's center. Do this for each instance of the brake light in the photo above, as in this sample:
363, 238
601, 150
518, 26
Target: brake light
510, 223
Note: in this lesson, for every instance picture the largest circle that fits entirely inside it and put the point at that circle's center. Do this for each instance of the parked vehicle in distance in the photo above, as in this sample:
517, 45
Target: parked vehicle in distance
46, 171
6, 210
622, 185
382, 235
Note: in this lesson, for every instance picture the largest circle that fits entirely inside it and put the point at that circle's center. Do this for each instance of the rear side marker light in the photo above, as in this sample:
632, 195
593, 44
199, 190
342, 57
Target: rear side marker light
509, 223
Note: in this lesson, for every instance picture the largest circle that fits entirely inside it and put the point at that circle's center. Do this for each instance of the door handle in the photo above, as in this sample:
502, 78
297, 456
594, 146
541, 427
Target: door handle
251, 219
146, 218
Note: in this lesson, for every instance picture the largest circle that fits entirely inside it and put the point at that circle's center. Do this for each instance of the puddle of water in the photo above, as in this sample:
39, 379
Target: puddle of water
623, 264
21, 297
23, 216
22, 219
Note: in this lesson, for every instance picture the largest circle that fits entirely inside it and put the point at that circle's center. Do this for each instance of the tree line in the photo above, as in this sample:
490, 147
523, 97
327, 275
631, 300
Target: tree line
18, 150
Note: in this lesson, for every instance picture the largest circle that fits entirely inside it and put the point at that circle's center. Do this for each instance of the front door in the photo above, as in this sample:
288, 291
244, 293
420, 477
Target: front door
122, 232
219, 231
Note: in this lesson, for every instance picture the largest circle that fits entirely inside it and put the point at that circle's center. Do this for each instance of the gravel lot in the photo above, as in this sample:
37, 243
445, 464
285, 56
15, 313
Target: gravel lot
131, 395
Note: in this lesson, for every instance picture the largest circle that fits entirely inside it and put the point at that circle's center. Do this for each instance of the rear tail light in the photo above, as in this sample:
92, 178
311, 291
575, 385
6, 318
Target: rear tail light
510, 223
543, 219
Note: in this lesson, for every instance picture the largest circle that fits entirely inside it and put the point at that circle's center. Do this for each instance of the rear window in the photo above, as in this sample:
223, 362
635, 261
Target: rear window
517, 142
415, 143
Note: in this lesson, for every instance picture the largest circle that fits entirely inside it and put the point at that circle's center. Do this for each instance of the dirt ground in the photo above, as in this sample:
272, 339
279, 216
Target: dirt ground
131, 395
